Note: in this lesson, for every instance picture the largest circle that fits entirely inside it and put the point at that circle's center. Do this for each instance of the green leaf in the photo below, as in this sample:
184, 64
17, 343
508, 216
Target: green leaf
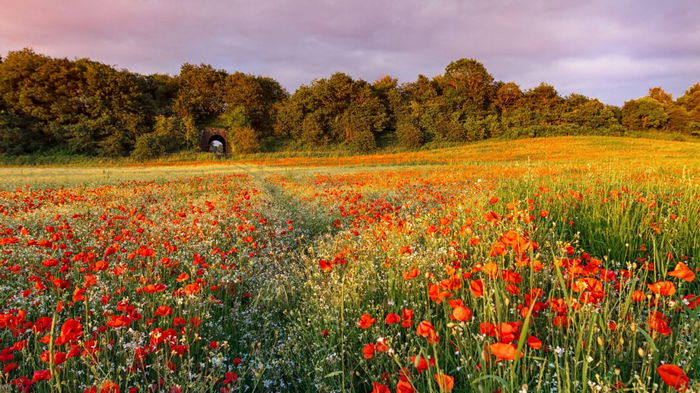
649, 339
494, 377
333, 374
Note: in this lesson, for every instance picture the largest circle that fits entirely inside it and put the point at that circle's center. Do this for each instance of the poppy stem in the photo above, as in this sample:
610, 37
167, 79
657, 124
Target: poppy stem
342, 329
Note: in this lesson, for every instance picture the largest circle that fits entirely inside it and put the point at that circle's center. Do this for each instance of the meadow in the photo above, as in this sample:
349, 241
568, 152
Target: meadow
542, 265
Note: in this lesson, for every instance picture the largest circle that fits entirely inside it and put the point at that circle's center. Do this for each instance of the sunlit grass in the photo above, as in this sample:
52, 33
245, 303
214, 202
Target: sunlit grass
263, 270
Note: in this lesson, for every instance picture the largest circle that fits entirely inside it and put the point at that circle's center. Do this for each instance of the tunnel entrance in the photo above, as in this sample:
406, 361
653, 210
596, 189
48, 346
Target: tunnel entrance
214, 140
217, 145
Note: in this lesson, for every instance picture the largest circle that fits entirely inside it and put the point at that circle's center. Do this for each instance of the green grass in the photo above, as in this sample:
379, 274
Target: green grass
608, 216
277, 149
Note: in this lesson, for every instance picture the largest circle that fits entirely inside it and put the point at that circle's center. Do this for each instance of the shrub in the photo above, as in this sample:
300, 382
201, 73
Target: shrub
312, 132
408, 134
363, 140
149, 146
643, 114
245, 140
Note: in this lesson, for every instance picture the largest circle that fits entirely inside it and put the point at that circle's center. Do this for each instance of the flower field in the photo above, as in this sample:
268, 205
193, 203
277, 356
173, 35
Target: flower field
544, 265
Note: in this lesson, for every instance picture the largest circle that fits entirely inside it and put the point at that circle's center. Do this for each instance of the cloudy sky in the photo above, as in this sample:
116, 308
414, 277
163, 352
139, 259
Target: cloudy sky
610, 49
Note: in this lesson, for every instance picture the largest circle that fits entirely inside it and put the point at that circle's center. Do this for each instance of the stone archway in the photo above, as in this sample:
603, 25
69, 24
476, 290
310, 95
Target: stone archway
212, 137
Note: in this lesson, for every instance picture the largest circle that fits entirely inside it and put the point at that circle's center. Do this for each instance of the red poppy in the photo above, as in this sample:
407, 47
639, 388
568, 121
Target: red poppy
425, 329
230, 377
325, 265
504, 351
498, 248
662, 288
7, 368
534, 342
411, 274
404, 387
163, 311
366, 321
445, 382
109, 387
382, 345
477, 287
436, 294
490, 269
461, 313
422, 363
673, 376
78, 294
368, 351
683, 272
191, 289
658, 322
638, 296
380, 388
41, 375
118, 321
407, 315
70, 331
392, 318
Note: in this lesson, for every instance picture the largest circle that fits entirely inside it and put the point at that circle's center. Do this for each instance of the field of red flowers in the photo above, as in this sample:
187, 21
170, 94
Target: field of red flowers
493, 272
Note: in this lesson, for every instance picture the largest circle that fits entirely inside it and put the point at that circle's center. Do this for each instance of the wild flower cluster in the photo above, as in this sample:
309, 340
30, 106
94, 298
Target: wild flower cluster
452, 278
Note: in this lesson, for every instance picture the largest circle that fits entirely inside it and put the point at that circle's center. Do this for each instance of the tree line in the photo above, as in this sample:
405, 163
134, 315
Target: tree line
86, 107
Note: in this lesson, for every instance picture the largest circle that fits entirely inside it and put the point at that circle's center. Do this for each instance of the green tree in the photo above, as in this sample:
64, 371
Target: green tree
149, 146
508, 96
546, 104
312, 130
589, 114
257, 96
467, 85
387, 90
161, 91
200, 93
643, 114
19, 136
334, 110
679, 120
408, 134
170, 134
660, 95
291, 113
419, 92
435, 121
245, 139
684, 113
239, 129
690, 101
83, 105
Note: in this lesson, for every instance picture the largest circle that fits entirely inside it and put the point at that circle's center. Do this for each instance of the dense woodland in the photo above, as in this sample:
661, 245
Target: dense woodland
89, 108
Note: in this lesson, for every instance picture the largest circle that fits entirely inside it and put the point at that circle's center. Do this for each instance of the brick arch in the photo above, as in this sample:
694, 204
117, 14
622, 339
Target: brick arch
212, 134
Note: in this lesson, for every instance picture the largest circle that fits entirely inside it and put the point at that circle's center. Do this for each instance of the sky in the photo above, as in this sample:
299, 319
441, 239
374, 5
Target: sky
613, 50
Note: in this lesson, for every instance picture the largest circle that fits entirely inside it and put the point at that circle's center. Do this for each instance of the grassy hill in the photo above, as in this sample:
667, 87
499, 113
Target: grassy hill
582, 152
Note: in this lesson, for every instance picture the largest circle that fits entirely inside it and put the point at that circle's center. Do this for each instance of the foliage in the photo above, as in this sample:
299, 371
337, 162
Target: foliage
335, 110
200, 93
256, 96
89, 108
170, 134
149, 146
467, 86
408, 134
644, 113
244, 139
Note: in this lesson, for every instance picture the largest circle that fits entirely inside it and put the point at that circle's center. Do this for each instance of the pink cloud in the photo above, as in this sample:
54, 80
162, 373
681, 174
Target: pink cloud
569, 44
